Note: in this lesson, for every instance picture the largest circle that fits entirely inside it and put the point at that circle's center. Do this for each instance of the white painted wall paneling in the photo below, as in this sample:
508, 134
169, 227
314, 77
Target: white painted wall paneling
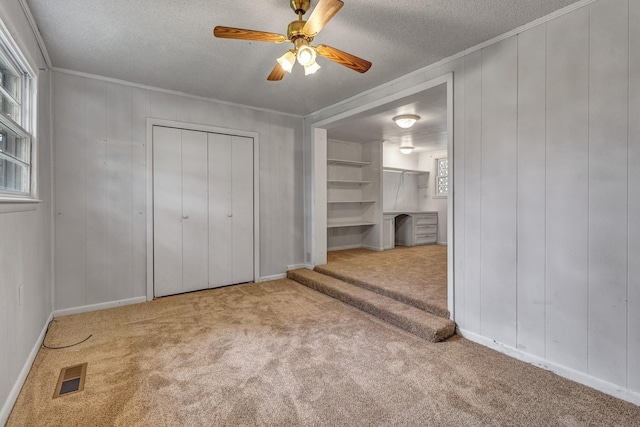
498, 197
123, 179
567, 191
608, 226
566, 143
119, 197
96, 201
26, 240
633, 316
472, 189
531, 202
70, 191
140, 110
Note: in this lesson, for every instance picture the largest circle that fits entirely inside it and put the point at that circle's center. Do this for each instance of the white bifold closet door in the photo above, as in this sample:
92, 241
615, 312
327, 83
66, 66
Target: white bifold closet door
203, 210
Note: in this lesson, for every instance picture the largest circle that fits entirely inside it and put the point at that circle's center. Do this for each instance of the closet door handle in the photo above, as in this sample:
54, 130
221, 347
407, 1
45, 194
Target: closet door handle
185, 217
230, 215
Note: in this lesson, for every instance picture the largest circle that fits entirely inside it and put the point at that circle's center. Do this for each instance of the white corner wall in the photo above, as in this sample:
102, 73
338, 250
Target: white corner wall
25, 242
547, 191
100, 183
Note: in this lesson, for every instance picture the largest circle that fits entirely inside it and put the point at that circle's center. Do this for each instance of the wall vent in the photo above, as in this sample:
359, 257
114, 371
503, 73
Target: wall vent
71, 380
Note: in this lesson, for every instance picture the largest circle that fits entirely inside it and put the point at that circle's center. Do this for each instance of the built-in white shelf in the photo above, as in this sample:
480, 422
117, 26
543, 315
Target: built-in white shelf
346, 182
347, 162
390, 169
350, 224
351, 201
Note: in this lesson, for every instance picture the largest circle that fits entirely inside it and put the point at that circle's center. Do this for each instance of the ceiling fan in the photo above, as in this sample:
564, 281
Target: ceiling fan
301, 34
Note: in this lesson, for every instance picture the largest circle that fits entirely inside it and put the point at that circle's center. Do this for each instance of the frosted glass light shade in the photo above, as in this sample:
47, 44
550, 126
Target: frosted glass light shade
405, 121
312, 68
306, 56
286, 61
406, 149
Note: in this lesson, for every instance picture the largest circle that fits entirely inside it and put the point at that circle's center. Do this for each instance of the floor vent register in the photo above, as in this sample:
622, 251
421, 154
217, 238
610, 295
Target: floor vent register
71, 380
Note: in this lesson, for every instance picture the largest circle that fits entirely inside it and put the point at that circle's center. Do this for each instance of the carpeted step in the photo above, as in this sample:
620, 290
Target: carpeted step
386, 291
411, 319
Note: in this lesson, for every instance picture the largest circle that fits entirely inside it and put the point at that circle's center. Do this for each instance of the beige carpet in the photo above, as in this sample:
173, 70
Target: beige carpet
279, 353
419, 322
414, 275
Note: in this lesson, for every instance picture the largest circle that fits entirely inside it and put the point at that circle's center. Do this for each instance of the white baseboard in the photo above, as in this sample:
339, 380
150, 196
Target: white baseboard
563, 371
101, 306
17, 386
273, 277
282, 275
342, 248
372, 248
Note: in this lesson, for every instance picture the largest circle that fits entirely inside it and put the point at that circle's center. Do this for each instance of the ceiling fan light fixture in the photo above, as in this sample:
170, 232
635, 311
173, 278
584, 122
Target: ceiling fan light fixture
405, 121
312, 68
306, 55
287, 61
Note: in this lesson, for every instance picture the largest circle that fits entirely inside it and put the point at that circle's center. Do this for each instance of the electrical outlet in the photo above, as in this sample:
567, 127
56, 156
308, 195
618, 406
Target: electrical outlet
20, 297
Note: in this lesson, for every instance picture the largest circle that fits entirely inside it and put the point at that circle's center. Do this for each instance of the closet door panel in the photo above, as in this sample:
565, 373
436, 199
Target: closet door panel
220, 232
167, 211
195, 238
242, 208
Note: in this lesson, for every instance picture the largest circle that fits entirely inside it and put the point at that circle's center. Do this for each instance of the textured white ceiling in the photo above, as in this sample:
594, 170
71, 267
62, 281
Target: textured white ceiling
169, 43
428, 134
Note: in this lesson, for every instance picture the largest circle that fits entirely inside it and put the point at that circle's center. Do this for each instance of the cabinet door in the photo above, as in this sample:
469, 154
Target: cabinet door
242, 208
220, 211
195, 239
230, 210
389, 233
167, 211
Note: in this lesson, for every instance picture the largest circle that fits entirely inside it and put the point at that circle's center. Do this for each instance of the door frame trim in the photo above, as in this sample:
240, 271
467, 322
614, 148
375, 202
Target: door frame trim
151, 122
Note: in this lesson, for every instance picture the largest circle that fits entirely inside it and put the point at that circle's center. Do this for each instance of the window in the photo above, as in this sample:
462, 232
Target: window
17, 177
442, 177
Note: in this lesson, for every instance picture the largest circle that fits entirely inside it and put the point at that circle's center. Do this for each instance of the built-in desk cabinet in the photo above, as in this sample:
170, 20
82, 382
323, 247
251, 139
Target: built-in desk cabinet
415, 228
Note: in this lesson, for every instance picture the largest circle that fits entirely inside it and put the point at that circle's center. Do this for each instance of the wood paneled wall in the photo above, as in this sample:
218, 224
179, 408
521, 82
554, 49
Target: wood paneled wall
25, 241
547, 189
100, 184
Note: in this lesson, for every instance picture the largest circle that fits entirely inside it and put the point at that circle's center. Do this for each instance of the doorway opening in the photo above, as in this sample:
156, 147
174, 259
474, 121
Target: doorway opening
377, 204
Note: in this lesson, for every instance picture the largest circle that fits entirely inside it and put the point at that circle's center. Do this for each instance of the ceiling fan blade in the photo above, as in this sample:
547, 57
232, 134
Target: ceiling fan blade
276, 74
322, 13
343, 58
242, 34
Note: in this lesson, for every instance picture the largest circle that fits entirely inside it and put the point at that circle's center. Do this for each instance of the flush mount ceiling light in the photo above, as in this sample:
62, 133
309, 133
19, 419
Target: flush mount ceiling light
405, 121
407, 149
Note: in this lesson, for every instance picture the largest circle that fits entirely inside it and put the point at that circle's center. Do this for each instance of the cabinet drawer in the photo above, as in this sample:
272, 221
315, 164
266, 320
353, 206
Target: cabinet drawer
423, 240
426, 219
425, 229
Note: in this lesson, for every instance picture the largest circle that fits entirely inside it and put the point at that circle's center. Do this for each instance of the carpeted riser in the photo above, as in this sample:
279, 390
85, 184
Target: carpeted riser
421, 329
423, 305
